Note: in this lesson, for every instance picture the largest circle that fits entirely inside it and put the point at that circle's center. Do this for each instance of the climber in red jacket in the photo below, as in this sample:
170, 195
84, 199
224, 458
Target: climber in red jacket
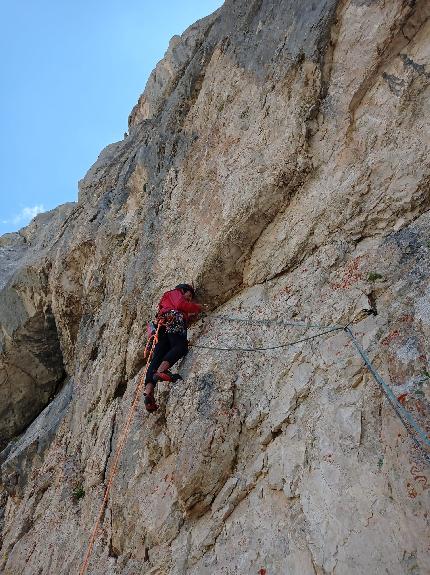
175, 310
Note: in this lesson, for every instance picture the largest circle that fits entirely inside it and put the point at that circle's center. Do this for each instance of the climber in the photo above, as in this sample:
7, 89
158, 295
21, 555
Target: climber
175, 311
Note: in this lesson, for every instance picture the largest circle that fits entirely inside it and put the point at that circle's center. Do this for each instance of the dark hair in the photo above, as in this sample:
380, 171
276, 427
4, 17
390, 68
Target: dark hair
186, 287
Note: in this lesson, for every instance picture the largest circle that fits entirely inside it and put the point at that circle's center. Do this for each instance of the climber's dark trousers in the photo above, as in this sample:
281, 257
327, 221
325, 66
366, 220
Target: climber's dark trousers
170, 347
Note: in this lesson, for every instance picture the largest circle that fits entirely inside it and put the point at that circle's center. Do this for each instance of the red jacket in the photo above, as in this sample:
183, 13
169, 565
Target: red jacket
175, 300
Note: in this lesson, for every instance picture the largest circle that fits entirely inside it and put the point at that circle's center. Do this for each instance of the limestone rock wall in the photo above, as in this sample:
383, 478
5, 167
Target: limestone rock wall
31, 363
279, 159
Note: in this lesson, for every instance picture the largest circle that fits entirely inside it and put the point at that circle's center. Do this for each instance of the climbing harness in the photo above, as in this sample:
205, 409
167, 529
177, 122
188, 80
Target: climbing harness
173, 321
120, 447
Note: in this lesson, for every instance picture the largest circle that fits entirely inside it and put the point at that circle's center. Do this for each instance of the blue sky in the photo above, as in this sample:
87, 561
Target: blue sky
71, 72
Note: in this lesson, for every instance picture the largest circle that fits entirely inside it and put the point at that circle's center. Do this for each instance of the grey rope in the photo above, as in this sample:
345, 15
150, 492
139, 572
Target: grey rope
402, 413
405, 417
250, 349
270, 320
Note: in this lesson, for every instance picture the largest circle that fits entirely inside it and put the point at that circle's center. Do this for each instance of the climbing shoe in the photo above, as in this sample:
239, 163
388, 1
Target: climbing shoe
150, 404
167, 376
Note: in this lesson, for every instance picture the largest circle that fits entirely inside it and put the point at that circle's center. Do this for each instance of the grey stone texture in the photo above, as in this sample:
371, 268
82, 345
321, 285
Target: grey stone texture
279, 159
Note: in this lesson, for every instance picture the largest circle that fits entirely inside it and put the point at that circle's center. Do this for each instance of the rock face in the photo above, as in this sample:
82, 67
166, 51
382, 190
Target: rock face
279, 159
31, 364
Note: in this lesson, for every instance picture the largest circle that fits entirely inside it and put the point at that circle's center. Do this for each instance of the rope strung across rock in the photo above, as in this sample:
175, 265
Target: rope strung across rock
271, 320
401, 412
279, 346
406, 418
120, 447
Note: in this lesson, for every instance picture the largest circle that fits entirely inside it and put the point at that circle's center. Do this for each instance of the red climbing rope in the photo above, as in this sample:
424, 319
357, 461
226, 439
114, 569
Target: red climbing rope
120, 447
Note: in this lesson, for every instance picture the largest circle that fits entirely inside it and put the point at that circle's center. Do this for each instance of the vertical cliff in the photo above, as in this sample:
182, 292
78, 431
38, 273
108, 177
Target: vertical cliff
279, 159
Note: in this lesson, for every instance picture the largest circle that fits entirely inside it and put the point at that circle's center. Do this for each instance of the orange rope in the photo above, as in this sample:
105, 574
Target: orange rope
159, 323
120, 448
148, 345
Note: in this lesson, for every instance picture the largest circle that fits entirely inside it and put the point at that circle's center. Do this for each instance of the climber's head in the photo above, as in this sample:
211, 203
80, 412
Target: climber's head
187, 290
